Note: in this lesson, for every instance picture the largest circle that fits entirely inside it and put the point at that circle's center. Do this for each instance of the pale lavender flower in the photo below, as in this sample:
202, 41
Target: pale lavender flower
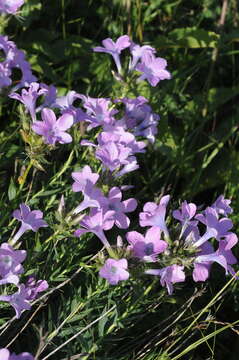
98, 111
114, 48
10, 264
5, 74
153, 69
33, 287
117, 134
65, 102
213, 257
169, 275
97, 222
22, 356
139, 117
18, 300
28, 97
93, 198
216, 228
113, 155
14, 58
201, 270
185, 215
154, 215
119, 207
146, 247
114, 271
224, 249
31, 220
187, 212
20, 62
222, 206
50, 92
223, 256
131, 165
10, 6
53, 130
80, 178
138, 52
5, 355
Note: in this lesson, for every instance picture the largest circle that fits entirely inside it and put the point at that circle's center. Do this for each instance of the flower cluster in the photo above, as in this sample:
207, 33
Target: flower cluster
11, 262
122, 127
142, 59
14, 59
185, 248
116, 144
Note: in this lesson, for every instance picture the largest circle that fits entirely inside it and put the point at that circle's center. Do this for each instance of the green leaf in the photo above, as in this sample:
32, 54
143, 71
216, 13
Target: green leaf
189, 38
12, 191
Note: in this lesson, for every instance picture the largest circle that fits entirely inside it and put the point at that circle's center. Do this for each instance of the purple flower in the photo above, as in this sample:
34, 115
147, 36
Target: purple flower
5, 355
138, 52
169, 275
221, 205
187, 212
201, 270
215, 228
81, 178
10, 264
113, 155
114, 271
93, 198
22, 356
224, 249
53, 130
5, 74
131, 165
18, 300
114, 48
223, 256
14, 58
119, 207
185, 215
31, 220
154, 215
33, 287
29, 97
146, 247
65, 102
96, 222
10, 6
139, 117
98, 112
49, 96
153, 69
